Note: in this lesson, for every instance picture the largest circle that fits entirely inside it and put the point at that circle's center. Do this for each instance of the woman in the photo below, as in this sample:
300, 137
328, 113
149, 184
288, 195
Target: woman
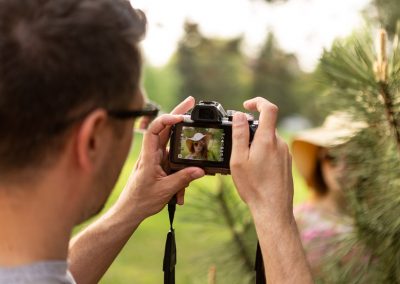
198, 147
323, 218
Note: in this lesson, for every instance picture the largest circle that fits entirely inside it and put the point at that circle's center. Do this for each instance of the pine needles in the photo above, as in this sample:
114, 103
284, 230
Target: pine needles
366, 83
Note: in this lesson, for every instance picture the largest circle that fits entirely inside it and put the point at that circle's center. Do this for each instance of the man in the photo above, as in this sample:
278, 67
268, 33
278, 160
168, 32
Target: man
69, 96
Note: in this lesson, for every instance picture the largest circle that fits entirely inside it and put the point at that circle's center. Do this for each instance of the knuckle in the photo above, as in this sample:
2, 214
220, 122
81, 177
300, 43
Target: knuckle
186, 179
283, 146
164, 118
270, 107
236, 164
152, 124
269, 140
273, 108
159, 119
237, 134
156, 124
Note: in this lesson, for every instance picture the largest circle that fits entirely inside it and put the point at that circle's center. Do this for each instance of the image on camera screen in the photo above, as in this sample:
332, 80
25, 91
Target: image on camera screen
198, 143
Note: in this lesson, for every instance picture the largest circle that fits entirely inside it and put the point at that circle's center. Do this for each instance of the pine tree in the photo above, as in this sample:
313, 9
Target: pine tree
219, 211
365, 83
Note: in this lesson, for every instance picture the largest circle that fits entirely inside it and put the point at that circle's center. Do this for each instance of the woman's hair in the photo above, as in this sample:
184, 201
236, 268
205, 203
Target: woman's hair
319, 186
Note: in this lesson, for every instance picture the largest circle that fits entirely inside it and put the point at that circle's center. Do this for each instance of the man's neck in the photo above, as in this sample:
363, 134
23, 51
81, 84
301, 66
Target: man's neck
33, 227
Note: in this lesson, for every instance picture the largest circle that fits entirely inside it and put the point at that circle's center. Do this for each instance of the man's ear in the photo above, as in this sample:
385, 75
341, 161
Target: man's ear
91, 137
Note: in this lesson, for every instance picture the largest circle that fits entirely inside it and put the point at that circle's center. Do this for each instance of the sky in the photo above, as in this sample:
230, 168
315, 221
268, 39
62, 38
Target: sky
303, 27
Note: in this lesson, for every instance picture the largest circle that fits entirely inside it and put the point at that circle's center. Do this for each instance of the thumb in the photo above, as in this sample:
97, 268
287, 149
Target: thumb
240, 139
181, 179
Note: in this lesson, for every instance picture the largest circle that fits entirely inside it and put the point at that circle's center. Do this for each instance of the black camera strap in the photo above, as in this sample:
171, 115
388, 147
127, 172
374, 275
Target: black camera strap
259, 266
169, 262
170, 247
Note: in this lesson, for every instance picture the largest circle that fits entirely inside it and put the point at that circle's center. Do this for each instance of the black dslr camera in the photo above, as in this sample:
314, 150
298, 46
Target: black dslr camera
204, 138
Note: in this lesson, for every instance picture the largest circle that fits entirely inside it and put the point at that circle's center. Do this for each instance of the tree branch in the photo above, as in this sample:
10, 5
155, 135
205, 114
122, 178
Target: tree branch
390, 113
231, 225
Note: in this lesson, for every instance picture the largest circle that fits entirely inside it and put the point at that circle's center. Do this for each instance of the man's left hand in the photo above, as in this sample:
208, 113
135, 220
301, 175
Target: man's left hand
149, 187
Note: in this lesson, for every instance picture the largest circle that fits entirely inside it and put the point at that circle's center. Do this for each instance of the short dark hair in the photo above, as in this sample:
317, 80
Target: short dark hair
58, 60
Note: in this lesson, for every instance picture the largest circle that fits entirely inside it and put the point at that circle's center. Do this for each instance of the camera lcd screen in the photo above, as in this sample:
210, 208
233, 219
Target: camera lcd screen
202, 144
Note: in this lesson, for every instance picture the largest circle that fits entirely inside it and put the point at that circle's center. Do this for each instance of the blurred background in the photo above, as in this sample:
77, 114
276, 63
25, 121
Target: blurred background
230, 51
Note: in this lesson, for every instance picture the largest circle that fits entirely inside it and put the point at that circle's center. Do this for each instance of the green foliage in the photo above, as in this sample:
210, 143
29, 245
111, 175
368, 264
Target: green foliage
212, 69
220, 209
162, 85
308, 96
215, 69
274, 76
347, 71
370, 253
388, 13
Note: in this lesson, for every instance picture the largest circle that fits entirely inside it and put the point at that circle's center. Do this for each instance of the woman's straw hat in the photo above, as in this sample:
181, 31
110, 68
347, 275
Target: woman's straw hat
196, 137
336, 130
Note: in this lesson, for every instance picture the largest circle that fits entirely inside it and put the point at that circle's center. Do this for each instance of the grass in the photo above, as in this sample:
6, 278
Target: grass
141, 259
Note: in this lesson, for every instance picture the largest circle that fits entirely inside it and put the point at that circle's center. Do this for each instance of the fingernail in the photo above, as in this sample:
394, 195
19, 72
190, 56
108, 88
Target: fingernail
239, 117
197, 173
188, 98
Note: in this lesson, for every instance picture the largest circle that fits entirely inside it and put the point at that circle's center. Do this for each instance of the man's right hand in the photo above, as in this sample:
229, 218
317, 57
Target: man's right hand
262, 172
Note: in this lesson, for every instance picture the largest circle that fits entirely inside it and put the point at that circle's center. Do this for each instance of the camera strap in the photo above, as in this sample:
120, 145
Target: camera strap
169, 262
170, 247
259, 266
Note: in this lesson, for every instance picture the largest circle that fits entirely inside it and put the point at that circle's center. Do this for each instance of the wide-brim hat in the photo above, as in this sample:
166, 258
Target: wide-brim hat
196, 137
337, 129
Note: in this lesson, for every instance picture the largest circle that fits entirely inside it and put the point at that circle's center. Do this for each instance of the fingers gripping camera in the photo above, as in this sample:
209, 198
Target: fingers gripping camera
204, 138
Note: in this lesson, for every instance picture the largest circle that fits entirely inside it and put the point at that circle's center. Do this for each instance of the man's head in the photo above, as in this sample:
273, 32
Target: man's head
63, 65
60, 59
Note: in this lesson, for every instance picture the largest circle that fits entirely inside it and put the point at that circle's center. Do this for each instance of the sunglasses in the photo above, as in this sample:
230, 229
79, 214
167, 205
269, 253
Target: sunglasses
150, 110
332, 159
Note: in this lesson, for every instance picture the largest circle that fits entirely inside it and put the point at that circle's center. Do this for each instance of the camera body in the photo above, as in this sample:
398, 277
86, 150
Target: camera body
204, 138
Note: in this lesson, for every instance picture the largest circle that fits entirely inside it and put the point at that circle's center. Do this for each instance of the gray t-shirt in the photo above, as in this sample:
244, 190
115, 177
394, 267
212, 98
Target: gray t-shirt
49, 272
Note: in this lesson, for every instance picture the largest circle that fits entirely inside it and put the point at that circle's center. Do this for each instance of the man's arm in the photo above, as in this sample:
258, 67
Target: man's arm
94, 249
148, 190
263, 178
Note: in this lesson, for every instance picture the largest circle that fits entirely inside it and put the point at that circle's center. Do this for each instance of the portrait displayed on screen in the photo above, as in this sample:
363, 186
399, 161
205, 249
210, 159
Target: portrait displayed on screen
206, 144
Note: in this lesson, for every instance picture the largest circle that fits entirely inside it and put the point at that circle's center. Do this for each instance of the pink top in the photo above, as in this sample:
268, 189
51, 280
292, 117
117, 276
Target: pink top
319, 229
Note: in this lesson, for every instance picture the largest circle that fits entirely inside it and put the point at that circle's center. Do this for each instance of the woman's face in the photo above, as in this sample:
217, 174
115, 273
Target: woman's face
198, 146
333, 168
